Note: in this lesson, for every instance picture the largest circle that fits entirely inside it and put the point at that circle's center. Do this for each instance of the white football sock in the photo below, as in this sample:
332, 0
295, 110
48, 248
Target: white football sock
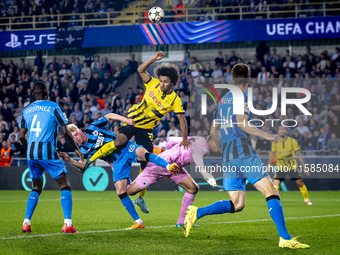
68, 222
27, 221
139, 221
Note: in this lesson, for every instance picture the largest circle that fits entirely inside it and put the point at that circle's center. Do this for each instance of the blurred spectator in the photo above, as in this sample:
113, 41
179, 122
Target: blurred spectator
86, 70
322, 140
263, 76
77, 113
95, 65
6, 155
217, 76
173, 131
64, 146
133, 64
94, 83
333, 145
193, 63
76, 68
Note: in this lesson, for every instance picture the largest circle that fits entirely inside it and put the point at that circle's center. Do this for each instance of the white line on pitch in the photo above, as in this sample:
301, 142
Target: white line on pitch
170, 226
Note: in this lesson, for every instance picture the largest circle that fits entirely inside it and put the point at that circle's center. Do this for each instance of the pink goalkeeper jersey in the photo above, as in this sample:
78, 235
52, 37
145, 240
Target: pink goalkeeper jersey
183, 157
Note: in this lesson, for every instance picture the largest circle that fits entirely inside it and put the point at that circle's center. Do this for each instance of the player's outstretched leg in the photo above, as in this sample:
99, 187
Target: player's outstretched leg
266, 187
304, 191
108, 148
32, 202
140, 201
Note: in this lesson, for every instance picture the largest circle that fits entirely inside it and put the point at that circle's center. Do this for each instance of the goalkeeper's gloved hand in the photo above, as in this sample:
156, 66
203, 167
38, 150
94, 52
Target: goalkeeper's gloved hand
209, 179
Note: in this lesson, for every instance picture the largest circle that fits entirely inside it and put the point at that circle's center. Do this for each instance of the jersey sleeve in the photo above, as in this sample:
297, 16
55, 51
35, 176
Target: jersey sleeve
11, 153
101, 123
85, 152
152, 82
60, 116
177, 106
296, 147
23, 123
273, 147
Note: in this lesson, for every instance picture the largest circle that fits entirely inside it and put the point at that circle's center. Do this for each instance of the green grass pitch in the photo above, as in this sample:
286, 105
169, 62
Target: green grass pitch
101, 219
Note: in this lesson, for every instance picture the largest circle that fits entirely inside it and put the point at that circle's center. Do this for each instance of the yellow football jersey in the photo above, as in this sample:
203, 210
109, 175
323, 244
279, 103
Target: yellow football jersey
154, 106
286, 153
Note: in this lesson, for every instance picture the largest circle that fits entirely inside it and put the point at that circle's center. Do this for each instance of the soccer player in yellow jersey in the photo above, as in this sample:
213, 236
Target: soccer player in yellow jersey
159, 99
286, 163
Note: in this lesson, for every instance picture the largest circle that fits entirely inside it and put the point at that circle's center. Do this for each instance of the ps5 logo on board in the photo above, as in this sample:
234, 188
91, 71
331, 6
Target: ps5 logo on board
37, 40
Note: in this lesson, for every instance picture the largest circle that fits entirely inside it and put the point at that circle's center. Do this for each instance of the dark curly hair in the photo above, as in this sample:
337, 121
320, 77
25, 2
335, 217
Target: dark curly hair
170, 71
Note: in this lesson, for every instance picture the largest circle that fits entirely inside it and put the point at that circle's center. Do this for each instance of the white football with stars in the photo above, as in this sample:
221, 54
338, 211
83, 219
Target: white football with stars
156, 14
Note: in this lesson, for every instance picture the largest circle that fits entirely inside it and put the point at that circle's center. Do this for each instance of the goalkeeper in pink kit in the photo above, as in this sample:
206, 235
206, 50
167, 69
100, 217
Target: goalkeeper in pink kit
183, 157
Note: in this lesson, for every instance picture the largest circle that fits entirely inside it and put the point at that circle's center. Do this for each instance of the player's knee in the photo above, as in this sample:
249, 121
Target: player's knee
37, 190
120, 140
195, 189
239, 206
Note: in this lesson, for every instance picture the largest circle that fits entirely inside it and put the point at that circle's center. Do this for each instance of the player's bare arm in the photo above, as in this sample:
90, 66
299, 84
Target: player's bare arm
243, 124
142, 68
302, 161
68, 136
22, 137
78, 164
184, 129
112, 116
198, 160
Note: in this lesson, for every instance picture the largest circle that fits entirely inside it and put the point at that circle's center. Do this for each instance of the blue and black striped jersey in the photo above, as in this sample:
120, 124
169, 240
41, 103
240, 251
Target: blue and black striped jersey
97, 136
234, 142
42, 119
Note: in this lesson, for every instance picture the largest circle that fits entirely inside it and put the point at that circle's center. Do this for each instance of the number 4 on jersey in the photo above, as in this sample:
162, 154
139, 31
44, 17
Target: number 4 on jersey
37, 129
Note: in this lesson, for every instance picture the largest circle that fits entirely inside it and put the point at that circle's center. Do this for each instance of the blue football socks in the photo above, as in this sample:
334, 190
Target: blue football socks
219, 207
66, 202
129, 206
156, 159
276, 212
32, 202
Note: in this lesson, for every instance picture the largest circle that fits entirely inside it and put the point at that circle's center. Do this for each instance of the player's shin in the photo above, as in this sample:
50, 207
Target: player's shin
276, 212
106, 149
66, 204
219, 207
304, 192
32, 202
188, 199
129, 206
156, 159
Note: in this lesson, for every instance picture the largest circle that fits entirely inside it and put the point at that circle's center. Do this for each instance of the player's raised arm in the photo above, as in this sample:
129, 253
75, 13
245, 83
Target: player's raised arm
68, 136
142, 68
113, 116
242, 123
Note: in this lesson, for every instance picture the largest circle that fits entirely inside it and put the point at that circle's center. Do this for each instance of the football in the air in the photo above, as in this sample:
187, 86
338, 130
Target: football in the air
156, 14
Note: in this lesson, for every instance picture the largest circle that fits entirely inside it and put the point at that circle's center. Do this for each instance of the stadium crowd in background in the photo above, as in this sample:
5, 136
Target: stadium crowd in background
18, 11
87, 91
